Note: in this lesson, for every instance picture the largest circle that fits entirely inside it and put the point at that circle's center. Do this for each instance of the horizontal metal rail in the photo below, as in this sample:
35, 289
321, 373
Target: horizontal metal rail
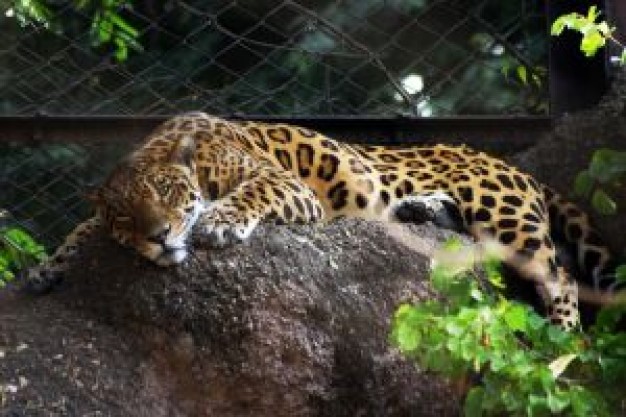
394, 130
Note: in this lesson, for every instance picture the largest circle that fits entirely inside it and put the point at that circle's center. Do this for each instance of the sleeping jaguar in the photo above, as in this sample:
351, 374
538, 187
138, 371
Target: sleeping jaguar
224, 177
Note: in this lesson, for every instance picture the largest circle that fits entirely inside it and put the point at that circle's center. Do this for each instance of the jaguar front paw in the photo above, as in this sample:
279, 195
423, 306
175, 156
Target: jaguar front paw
171, 256
224, 225
41, 280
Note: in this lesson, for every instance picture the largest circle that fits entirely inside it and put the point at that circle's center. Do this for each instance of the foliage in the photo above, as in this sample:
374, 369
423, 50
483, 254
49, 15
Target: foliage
606, 172
108, 26
18, 250
533, 80
534, 77
526, 366
594, 34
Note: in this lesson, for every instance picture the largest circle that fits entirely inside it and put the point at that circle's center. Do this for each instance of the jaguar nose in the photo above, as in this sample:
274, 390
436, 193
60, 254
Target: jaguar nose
168, 250
161, 237
171, 255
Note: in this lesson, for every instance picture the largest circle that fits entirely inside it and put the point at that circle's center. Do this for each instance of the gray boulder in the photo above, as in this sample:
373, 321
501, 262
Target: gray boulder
294, 322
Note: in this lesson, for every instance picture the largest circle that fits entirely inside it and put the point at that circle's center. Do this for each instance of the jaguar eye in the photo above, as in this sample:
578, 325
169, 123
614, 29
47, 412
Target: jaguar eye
161, 236
123, 221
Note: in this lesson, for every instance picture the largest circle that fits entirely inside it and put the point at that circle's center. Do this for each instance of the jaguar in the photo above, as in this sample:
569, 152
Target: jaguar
223, 177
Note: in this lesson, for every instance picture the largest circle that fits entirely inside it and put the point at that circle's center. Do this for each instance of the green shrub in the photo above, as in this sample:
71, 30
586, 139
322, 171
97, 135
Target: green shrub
605, 175
595, 34
18, 250
108, 26
526, 366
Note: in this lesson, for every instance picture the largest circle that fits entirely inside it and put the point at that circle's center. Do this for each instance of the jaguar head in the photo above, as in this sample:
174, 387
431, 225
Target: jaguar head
151, 205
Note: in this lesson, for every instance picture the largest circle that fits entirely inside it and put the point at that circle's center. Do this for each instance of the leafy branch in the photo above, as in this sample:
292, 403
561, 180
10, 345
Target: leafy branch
525, 365
18, 250
607, 169
108, 27
595, 35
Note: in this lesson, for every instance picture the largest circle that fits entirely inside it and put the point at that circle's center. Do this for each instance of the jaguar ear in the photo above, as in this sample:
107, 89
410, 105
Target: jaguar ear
100, 195
95, 196
183, 151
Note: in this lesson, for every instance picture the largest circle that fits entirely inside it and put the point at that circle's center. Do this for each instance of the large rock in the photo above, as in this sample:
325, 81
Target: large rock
294, 322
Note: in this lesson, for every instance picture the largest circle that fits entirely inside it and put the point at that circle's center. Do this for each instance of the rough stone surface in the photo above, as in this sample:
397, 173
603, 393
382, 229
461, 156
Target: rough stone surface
292, 323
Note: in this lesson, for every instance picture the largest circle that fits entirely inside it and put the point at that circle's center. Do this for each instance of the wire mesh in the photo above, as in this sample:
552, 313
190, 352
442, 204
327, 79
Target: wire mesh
248, 57
44, 187
413, 57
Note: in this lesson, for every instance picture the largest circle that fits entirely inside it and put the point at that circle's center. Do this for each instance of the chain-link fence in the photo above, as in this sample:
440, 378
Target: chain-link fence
415, 57
43, 186
248, 57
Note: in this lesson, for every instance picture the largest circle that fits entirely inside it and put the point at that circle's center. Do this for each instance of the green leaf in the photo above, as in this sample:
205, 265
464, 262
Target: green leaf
454, 329
557, 402
498, 363
583, 185
7, 276
537, 405
592, 13
407, 322
591, 42
609, 317
441, 278
473, 406
123, 25
505, 70
451, 284
459, 292
603, 203
515, 317
566, 20
121, 51
403, 311
522, 74
556, 335
584, 403
129, 41
105, 31
407, 338
622, 57
21, 247
607, 165
493, 270
535, 321
545, 377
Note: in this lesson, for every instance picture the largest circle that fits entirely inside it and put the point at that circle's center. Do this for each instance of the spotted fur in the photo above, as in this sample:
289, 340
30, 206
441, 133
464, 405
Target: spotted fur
225, 177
